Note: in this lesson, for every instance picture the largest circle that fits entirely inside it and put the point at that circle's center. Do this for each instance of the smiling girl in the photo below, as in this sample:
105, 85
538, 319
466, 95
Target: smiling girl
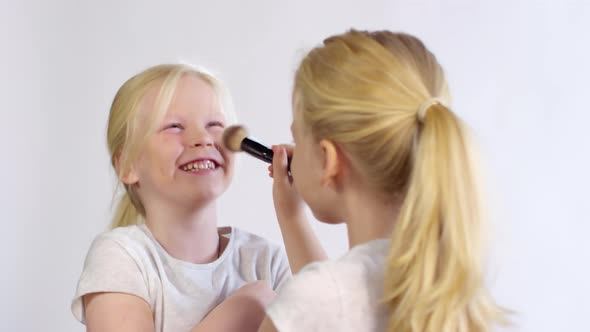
165, 265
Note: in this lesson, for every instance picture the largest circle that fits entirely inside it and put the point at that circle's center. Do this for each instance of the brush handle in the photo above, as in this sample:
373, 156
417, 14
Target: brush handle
260, 151
257, 150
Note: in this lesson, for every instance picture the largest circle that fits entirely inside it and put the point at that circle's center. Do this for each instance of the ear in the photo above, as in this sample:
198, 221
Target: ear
129, 176
332, 162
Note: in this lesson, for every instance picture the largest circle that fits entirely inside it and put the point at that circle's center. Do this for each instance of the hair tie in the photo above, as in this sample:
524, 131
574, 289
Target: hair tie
423, 109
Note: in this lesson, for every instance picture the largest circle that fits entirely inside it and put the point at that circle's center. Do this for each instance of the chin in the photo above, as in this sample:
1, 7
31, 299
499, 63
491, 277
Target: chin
326, 217
203, 196
212, 194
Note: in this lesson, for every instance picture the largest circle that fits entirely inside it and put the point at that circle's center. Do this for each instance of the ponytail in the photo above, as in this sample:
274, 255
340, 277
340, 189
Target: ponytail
127, 212
434, 280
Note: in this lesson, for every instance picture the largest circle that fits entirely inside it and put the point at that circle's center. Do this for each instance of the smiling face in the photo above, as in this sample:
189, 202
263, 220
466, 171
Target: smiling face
183, 162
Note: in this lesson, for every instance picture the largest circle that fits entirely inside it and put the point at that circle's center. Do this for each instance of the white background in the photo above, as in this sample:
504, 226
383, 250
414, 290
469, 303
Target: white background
518, 72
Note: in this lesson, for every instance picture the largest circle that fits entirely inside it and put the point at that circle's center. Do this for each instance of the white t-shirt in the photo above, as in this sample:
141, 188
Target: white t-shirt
340, 295
130, 260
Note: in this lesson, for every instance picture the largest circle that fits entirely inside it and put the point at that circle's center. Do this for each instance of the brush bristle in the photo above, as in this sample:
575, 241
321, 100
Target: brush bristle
233, 137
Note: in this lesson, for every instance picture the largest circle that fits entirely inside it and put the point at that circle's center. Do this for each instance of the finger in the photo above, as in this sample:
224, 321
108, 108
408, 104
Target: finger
279, 161
289, 149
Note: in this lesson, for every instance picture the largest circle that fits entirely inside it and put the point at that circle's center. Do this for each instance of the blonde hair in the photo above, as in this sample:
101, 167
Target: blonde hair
364, 91
126, 139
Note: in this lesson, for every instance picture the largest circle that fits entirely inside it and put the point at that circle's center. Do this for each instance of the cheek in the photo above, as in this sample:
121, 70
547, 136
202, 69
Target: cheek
228, 156
164, 154
167, 160
230, 159
172, 146
294, 165
300, 170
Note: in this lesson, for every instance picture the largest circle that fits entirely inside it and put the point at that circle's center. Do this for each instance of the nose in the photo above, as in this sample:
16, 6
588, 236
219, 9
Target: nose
200, 138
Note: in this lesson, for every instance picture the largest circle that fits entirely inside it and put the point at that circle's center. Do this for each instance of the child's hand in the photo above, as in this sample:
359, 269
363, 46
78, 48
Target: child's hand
288, 203
302, 245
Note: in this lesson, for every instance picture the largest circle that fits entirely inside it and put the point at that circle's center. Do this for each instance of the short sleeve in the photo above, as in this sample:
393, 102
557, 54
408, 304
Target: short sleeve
108, 267
309, 301
281, 271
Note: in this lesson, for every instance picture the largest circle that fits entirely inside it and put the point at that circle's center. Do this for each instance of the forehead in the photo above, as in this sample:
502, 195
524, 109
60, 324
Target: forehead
192, 91
190, 95
193, 96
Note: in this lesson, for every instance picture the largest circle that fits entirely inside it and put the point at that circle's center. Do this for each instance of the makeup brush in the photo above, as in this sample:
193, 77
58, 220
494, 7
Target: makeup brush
236, 138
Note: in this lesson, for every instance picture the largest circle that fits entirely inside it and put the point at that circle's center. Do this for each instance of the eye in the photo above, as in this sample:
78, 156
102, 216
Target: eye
215, 124
173, 126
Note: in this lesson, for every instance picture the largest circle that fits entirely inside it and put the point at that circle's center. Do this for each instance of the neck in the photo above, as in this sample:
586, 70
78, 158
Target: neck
369, 219
188, 235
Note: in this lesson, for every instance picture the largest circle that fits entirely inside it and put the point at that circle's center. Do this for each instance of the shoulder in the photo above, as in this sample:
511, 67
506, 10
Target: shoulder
252, 245
319, 277
324, 294
127, 235
367, 256
268, 259
118, 261
310, 299
246, 239
120, 249
129, 240
121, 253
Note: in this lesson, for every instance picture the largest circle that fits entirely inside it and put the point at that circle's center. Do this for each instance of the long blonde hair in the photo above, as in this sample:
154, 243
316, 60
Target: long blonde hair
126, 139
364, 91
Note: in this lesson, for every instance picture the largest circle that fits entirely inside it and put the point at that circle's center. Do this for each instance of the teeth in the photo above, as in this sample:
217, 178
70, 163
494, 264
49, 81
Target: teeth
199, 165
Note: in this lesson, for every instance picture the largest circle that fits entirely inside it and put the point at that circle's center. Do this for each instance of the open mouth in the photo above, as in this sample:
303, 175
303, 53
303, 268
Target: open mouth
199, 165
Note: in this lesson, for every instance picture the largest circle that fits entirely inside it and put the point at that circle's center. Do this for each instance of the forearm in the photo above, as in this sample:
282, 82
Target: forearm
301, 243
243, 311
229, 317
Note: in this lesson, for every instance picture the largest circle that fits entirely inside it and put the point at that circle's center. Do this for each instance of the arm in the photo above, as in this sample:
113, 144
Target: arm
301, 243
117, 312
242, 311
267, 326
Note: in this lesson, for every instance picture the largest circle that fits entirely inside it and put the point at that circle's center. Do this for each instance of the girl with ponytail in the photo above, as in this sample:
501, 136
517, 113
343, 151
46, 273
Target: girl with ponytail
378, 147
165, 265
